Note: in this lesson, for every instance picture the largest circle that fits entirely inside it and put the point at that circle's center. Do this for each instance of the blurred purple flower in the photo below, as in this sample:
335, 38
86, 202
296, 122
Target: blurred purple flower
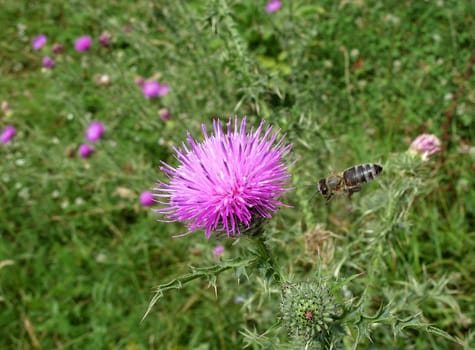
7, 134
146, 199
229, 181
94, 131
39, 41
163, 90
104, 39
83, 43
151, 88
140, 81
48, 62
164, 114
85, 150
273, 6
425, 145
218, 250
57, 48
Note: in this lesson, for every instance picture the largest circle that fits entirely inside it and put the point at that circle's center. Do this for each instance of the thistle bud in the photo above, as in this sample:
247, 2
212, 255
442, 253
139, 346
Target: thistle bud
307, 309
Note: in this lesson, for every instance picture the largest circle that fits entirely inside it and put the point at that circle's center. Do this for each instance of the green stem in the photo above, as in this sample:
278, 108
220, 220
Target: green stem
267, 258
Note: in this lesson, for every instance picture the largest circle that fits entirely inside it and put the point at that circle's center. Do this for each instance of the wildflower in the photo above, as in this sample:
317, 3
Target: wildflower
163, 90
146, 199
218, 250
140, 81
307, 309
7, 134
83, 43
39, 41
48, 62
57, 48
273, 6
150, 88
425, 145
104, 39
85, 150
229, 182
94, 131
164, 114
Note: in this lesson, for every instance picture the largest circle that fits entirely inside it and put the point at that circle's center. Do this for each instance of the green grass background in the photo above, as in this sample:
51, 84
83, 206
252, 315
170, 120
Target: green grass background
347, 81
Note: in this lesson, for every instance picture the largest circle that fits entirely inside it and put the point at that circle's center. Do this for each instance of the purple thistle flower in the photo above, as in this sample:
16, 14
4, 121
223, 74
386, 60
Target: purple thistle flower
83, 43
163, 90
140, 81
164, 114
104, 39
218, 250
7, 134
146, 199
229, 181
425, 145
151, 88
39, 41
94, 131
48, 62
85, 150
57, 48
273, 6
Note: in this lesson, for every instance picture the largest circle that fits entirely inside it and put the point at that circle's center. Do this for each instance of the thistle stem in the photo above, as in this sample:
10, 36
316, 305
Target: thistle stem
267, 258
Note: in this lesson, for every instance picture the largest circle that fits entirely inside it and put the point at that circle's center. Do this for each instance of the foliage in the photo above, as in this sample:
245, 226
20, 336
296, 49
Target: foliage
348, 82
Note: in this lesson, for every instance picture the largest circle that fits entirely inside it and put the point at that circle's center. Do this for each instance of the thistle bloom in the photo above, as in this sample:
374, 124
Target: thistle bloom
85, 150
150, 88
104, 39
39, 41
7, 134
164, 114
57, 48
146, 199
48, 62
83, 43
140, 81
273, 6
218, 250
153, 88
425, 145
163, 90
94, 131
227, 183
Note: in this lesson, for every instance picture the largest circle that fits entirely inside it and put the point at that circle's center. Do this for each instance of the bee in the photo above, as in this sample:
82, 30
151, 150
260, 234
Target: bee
349, 181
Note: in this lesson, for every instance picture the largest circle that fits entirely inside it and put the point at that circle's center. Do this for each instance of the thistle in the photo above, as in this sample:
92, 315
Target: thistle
229, 182
308, 310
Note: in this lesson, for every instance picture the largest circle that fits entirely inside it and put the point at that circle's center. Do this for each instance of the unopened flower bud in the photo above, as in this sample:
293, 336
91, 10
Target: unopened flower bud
307, 309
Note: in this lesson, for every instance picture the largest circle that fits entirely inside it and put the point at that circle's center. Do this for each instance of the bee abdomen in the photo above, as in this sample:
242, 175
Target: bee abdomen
361, 173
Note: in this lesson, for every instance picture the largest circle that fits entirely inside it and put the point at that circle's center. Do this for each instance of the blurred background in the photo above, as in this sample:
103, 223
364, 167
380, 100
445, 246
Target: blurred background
349, 82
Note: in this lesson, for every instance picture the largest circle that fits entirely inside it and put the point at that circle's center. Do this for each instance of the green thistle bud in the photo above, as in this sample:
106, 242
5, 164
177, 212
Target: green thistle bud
308, 309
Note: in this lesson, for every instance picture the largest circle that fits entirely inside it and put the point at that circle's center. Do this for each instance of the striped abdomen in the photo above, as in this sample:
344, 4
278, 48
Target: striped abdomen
361, 173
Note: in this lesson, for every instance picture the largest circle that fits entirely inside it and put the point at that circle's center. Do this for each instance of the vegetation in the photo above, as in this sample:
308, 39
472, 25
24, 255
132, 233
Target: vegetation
348, 82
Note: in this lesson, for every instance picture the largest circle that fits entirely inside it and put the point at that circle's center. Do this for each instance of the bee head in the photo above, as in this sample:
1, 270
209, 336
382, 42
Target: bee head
322, 187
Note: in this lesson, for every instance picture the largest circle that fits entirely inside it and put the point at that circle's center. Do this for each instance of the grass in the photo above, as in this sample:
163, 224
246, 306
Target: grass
348, 82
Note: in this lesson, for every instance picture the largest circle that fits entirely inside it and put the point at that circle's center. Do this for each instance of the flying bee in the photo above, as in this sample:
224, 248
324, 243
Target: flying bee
349, 181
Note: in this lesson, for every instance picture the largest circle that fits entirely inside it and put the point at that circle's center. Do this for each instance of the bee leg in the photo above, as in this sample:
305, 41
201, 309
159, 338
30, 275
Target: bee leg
352, 190
328, 197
